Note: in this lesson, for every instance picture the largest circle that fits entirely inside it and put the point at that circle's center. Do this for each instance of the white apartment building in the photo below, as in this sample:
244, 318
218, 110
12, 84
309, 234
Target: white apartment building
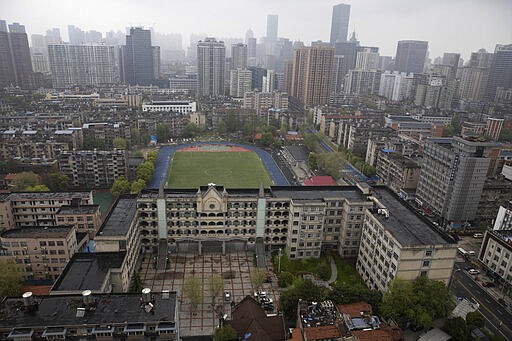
395, 86
240, 82
182, 107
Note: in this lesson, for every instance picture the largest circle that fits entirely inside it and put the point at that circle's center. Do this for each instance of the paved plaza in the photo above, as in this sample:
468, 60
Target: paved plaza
235, 268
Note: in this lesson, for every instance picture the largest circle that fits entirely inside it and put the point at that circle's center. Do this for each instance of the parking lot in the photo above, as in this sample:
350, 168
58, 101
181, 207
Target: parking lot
235, 268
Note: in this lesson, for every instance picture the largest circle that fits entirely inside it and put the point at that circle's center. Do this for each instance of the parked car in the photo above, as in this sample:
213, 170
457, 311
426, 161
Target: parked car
227, 296
478, 235
468, 267
473, 272
488, 284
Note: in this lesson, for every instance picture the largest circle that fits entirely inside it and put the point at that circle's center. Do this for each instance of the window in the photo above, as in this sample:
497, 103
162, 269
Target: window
428, 253
51, 243
423, 273
426, 263
60, 243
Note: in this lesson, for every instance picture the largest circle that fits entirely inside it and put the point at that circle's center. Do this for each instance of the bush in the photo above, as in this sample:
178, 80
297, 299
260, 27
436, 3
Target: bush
323, 271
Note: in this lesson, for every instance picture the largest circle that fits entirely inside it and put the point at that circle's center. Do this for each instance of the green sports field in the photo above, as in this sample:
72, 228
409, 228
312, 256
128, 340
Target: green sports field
228, 169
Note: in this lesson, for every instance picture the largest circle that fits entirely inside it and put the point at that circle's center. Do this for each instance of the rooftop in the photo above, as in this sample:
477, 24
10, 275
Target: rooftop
351, 193
323, 180
82, 209
49, 195
109, 309
403, 223
37, 232
87, 271
120, 217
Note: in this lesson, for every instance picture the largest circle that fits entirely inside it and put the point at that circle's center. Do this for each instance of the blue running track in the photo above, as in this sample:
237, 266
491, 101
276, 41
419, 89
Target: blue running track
166, 154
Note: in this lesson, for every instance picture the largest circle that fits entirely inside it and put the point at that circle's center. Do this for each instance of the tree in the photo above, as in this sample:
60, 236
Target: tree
258, 276
137, 186
475, 319
190, 130
120, 143
330, 164
145, 171
456, 327
24, 180
152, 156
215, 286
136, 283
192, 289
285, 279
418, 302
267, 139
346, 294
311, 141
163, 132
313, 161
225, 333
37, 188
11, 278
121, 186
221, 128
301, 290
56, 181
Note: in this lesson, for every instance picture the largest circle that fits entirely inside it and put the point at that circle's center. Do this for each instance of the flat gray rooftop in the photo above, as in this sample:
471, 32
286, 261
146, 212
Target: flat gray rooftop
87, 271
118, 221
48, 195
319, 192
110, 308
37, 232
404, 224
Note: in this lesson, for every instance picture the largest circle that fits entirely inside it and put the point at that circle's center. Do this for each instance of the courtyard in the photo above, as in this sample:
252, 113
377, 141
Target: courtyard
235, 268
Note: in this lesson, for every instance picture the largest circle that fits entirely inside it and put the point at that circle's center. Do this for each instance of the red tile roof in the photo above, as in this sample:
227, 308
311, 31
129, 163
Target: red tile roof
354, 309
320, 333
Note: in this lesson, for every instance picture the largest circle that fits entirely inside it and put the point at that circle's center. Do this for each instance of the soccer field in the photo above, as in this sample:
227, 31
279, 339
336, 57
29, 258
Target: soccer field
228, 169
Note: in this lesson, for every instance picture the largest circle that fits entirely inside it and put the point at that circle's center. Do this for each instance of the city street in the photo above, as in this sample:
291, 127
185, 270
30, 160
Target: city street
498, 318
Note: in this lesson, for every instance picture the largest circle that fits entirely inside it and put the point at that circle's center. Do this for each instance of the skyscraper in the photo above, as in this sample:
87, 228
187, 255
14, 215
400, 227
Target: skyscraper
272, 20
240, 82
83, 65
76, 35
239, 56
410, 56
312, 74
15, 61
339, 24
137, 57
211, 63
500, 75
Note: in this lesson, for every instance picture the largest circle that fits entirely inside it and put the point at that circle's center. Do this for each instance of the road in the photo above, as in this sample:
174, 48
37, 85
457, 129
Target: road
498, 318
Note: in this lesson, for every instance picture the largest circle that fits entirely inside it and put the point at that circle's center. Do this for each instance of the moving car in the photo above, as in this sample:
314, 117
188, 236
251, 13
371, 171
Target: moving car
473, 272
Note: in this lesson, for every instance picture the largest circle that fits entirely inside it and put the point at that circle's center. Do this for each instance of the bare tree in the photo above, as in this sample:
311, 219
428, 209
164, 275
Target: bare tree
215, 286
258, 276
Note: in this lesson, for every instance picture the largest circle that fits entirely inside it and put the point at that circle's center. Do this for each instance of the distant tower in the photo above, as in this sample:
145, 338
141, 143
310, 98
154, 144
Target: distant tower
138, 57
410, 56
248, 35
15, 61
211, 65
339, 24
272, 20
501, 71
239, 56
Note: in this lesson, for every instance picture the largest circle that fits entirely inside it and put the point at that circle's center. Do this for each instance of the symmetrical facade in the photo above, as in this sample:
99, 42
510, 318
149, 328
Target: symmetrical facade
339, 24
182, 107
211, 65
137, 58
83, 65
410, 56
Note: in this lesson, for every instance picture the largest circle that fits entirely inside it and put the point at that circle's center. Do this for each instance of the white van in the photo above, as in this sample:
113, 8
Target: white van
478, 235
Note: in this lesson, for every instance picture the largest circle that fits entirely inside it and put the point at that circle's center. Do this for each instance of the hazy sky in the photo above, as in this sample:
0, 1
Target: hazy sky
449, 25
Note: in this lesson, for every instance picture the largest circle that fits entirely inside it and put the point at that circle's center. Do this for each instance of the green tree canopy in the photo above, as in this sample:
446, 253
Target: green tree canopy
258, 276
137, 186
419, 302
37, 188
121, 186
190, 130
475, 319
163, 133
330, 164
151, 156
302, 289
313, 161
24, 180
145, 171
192, 289
56, 181
457, 328
120, 143
225, 333
221, 128
346, 294
11, 278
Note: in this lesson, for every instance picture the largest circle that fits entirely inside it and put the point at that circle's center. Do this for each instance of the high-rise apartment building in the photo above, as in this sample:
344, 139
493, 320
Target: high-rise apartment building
395, 86
272, 21
83, 65
410, 56
15, 60
312, 74
339, 24
367, 58
211, 64
239, 56
240, 82
452, 177
137, 57
500, 75
362, 82
76, 35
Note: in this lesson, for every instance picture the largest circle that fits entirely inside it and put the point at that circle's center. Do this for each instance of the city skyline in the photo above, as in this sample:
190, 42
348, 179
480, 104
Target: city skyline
376, 23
